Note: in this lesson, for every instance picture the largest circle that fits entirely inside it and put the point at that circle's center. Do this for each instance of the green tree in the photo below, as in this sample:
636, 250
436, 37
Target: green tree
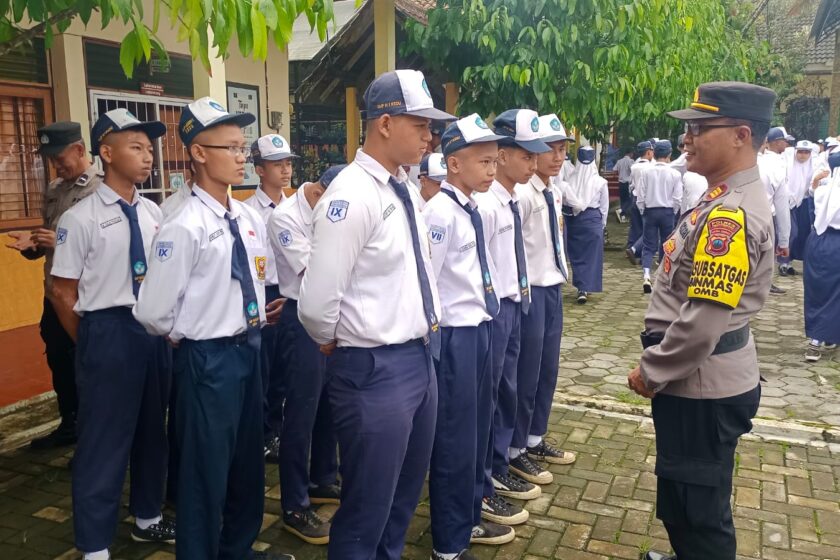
254, 23
596, 63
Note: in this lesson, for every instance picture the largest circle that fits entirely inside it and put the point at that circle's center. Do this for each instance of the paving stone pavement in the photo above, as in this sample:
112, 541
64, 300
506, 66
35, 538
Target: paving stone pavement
786, 499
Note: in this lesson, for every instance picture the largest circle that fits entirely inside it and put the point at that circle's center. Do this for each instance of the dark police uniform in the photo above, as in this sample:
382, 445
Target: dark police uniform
60, 195
699, 355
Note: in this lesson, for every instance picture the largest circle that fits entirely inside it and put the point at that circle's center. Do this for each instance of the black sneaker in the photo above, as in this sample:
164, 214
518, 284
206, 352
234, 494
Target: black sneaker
465, 555
581, 297
265, 555
330, 494
812, 353
307, 526
646, 286
545, 452
498, 510
62, 436
512, 486
523, 467
161, 532
631, 256
774, 289
491, 533
272, 450
783, 270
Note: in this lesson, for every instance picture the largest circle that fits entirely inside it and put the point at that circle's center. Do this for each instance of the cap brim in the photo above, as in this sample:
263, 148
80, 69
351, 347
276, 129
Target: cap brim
52, 149
278, 157
432, 113
240, 119
153, 129
488, 138
692, 115
533, 146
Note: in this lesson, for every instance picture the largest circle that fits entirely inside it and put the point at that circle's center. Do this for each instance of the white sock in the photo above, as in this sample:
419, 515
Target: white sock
98, 555
533, 441
146, 523
447, 556
513, 453
815, 342
647, 274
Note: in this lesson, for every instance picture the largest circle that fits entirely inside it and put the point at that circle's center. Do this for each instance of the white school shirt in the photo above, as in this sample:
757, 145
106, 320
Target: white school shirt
188, 291
827, 205
290, 232
92, 246
536, 230
455, 262
172, 203
635, 172
264, 206
773, 170
659, 186
498, 223
361, 286
623, 167
694, 187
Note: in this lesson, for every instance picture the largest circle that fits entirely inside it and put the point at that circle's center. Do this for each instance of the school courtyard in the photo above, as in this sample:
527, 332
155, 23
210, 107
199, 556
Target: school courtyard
787, 479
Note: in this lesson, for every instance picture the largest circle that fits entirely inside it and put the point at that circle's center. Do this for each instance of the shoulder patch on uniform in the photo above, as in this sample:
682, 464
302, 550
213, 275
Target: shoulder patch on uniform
60, 236
670, 245
721, 259
164, 250
285, 238
716, 192
259, 265
337, 210
437, 234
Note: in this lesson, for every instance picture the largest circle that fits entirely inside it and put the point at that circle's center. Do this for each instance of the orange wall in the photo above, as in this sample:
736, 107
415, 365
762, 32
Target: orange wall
21, 288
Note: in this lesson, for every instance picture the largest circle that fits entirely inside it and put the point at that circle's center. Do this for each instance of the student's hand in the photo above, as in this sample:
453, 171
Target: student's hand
21, 242
635, 382
782, 252
327, 349
43, 238
273, 310
173, 343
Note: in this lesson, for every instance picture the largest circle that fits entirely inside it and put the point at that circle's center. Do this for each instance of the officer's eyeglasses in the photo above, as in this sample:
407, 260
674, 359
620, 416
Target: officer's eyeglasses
696, 129
244, 151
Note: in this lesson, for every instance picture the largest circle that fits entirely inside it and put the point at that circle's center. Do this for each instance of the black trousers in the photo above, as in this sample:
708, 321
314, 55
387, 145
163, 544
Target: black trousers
60, 352
695, 457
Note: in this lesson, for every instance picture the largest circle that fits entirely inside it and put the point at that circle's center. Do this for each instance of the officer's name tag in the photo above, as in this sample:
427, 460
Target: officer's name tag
721, 259
467, 247
109, 223
215, 234
506, 228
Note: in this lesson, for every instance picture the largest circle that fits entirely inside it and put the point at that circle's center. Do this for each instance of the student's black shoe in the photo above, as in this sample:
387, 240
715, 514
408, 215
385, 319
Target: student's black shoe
492, 533
523, 467
62, 436
161, 532
497, 510
631, 256
581, 297
647, 287
545, 452
658, 556
512, 486
307, 526
270, 556
272, 450
330, 494
774, 289
465, 555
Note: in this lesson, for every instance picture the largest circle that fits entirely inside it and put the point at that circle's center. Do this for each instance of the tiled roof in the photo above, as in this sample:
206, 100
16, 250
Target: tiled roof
415, 9
786, 24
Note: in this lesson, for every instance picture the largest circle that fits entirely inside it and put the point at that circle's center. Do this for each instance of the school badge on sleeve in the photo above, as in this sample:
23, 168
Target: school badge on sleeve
337, 210
721, 259
163, 250
259, 264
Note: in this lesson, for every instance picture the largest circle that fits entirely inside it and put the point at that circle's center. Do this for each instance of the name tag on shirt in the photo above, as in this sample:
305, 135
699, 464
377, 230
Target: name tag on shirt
215, 234
467, 247
506, 228
388, 211
110, 222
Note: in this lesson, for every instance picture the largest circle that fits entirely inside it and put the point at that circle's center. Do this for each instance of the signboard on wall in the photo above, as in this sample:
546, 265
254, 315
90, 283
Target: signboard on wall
243, 98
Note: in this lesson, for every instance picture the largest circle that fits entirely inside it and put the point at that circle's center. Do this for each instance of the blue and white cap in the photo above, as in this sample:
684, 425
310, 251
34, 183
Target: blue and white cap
464, 132
401, 92
119, 120
552, 130
330, 174
433, 166
805, 146
586, 154
520, 127
776, 133
206, 113
662, 148
271, 147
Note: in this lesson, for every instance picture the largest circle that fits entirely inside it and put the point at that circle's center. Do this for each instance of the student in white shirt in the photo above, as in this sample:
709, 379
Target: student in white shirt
103, 245
272, 159
205, 291
305, 429
585, 224
432, 173
368, 298
773, 170
634, 235
622, 167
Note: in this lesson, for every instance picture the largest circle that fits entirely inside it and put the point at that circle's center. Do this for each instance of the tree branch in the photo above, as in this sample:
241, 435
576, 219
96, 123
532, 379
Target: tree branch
32, 32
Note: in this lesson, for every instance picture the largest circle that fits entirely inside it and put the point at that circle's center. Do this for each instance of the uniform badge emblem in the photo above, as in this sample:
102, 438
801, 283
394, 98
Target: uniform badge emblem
60, 236
721, 231
555, 124
666, 265
259, 264
253, 309
45, 139
437, 234
535, 124
163, 250
217, 106
479, 122
337, 210
716, 192
669, 246
139, 268
426, 88
285, 238
277, 141
693, 218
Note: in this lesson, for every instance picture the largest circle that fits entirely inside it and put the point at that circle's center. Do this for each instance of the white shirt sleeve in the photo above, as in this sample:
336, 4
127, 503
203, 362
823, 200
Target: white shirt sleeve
287, 240
335, 248
438, 227
677, 193
782, 216
71, 247
167, 277
640, 191
604, 202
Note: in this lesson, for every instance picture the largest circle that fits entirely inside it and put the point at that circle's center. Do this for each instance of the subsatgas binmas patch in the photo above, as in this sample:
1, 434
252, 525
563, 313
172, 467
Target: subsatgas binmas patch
721, 259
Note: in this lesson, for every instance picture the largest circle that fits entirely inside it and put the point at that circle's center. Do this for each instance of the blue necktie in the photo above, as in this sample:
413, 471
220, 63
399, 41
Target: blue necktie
240, 270
136, 252
490, 299
425, 286
519, 246
555, 236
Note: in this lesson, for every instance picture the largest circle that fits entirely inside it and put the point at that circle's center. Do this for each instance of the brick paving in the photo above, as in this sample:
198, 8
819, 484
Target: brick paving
786, 499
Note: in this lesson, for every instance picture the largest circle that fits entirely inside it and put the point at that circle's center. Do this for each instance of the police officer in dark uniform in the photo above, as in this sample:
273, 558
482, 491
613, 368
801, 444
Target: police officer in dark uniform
699, 364
63, 146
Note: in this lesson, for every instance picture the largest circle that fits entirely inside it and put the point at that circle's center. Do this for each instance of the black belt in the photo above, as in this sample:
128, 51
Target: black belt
235, 340
729, 342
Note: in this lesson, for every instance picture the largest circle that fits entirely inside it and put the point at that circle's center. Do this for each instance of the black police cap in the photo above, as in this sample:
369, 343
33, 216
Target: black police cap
736, 100
57, 136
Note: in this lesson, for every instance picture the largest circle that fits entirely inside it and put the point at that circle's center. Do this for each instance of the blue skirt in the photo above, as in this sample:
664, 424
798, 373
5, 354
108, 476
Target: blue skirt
585, 248
821, 275
801, 222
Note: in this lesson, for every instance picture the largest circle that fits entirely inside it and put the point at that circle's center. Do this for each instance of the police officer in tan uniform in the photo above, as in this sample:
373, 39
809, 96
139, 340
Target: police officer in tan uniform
699, 364
63, 146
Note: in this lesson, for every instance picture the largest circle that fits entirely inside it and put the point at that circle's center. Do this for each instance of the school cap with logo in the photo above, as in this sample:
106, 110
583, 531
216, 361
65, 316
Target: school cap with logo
662, 148
736, 100
520, 127
805, 146
465, 132
552, 130
586, 154
206, 113
433, 166
57, 136
120, 120
330, 174
642, 147
401, 92
271, 147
